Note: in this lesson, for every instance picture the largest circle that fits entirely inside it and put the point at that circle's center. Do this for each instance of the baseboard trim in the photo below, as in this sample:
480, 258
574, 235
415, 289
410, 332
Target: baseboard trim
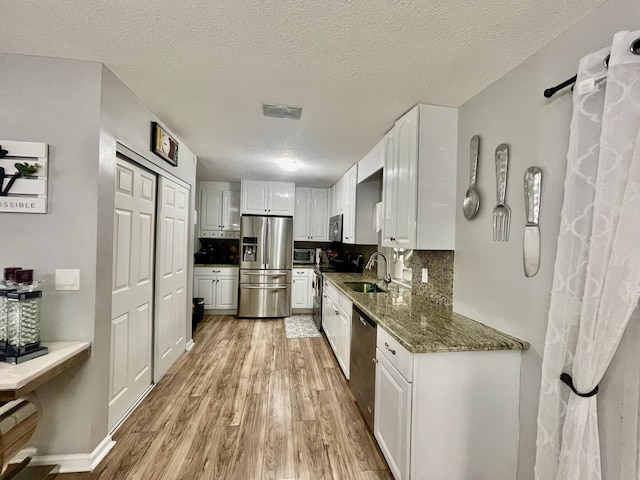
79, 462
190, 344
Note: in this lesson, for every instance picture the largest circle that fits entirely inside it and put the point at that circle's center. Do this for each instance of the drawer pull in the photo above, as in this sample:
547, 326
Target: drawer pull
386, 345
337, 312
216, 271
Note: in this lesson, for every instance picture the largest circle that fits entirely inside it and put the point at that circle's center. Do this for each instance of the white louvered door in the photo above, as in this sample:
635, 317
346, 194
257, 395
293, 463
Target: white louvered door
132, 288
171, 320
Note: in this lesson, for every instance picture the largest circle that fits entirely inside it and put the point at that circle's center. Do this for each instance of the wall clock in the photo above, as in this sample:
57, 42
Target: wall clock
163, 144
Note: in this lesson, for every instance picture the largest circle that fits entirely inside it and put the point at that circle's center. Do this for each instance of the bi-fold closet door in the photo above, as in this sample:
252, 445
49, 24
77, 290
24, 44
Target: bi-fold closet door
149, 284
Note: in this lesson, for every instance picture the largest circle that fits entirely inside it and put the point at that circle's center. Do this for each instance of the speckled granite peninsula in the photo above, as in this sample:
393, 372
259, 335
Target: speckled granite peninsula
422, 326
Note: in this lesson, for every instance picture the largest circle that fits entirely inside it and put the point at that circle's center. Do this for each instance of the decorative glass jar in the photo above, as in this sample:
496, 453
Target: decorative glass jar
23, 325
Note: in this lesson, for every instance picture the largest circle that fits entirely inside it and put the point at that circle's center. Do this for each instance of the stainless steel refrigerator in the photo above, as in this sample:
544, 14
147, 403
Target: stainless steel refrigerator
266, 257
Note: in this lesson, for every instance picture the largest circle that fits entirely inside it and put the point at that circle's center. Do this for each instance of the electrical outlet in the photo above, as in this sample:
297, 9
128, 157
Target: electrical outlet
425, 275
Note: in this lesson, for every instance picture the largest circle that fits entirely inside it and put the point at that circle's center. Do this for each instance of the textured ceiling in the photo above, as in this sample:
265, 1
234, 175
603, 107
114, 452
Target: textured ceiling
204, 67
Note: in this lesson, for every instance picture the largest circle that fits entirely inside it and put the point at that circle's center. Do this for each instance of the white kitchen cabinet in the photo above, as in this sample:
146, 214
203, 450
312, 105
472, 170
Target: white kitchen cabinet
311, 218
302, 289
218, 286
267, 198
349, 185
435, 411
219, 209
392, 416
332, 201
419, 170
336, 322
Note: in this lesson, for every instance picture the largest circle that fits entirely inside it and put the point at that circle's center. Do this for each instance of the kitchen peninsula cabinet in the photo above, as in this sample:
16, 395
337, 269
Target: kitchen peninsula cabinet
435, 411
419, 184
267, 198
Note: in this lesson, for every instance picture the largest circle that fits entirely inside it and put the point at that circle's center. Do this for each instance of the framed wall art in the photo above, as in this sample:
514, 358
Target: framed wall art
163, 144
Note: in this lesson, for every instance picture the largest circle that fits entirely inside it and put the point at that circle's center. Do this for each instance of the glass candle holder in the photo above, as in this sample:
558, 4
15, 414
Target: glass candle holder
23, 322
4, 334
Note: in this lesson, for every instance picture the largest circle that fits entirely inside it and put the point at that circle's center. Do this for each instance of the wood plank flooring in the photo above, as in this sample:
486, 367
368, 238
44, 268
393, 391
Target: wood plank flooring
246, 403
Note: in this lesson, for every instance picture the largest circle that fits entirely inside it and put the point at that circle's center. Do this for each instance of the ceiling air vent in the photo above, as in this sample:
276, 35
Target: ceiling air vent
281, 111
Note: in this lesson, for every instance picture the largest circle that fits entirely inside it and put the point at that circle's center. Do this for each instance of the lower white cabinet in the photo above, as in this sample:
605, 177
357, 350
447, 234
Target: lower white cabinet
218, 287
301, 288
447, 415
336, 322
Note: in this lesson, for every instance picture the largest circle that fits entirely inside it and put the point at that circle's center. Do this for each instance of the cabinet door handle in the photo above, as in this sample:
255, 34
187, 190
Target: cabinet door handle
337, 312
386, 345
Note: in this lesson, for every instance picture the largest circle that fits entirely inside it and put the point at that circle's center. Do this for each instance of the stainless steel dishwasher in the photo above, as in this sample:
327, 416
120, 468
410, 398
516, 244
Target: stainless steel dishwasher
362, 363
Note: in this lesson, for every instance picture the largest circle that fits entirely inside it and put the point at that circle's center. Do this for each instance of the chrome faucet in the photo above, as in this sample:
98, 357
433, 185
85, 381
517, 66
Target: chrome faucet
374, 260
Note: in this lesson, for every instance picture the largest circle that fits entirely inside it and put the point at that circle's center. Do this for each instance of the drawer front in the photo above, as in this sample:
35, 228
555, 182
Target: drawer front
398, 356
300, 272
215, 271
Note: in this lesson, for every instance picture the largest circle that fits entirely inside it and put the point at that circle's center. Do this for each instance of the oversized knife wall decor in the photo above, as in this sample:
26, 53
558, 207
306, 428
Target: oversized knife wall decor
532, 192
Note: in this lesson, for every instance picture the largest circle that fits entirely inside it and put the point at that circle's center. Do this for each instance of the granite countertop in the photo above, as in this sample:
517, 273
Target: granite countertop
422, 326
215, 265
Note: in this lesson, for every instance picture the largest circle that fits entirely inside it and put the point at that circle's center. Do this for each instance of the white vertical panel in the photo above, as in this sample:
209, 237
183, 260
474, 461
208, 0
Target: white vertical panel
167, 253
142, 347
119, 356
145, 263
122, 247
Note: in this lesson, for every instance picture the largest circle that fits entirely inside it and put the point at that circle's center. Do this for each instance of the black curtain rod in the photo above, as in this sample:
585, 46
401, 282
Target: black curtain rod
550, 92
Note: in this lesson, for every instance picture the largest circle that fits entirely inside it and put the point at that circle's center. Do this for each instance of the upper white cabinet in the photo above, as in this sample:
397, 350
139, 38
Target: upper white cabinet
219, 207
349, 185
420, 171
356, 202
267, 198
311, 217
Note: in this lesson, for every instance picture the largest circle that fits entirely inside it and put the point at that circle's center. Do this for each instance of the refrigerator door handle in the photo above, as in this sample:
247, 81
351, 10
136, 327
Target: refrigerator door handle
266, 242
261, 287
266, 274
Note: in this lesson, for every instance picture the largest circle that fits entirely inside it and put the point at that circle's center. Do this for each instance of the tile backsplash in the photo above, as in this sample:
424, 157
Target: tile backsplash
439, 289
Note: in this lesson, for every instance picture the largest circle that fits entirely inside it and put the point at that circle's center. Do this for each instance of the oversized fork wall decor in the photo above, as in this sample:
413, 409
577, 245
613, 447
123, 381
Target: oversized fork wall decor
501, 213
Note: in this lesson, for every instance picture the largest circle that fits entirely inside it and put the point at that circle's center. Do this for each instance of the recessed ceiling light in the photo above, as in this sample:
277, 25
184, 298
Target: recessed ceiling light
289, 164
281, 111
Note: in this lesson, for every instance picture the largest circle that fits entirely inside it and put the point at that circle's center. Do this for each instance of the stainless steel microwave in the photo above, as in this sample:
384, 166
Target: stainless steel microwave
304, 255
335, 228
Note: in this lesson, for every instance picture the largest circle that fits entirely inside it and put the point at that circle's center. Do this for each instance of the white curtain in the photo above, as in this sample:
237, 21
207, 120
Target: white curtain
596, 283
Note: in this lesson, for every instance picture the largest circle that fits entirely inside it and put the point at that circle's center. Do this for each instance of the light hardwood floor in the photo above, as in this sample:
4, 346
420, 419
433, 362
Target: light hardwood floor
246, 403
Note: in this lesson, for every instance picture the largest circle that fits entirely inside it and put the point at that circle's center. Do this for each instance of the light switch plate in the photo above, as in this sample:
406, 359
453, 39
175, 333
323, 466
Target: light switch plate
67, 279
425, 275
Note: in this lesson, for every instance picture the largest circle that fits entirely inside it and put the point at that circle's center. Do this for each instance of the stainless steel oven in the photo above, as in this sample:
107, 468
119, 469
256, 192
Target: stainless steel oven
317, 298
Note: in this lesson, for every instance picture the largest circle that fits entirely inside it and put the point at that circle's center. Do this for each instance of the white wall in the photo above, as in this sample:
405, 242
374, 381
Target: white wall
58, 102
80, 109
489, 283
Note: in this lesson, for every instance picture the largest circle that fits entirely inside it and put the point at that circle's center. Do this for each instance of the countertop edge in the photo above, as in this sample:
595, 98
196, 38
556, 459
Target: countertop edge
503, 341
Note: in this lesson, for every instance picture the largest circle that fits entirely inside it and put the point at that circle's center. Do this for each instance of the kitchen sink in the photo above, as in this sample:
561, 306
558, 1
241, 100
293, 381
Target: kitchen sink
364, 287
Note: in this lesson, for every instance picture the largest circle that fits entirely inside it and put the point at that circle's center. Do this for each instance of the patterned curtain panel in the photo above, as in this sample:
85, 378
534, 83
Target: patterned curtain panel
596, 283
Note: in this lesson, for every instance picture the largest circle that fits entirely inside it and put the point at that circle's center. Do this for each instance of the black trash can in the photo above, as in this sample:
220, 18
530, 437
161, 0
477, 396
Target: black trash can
198, 313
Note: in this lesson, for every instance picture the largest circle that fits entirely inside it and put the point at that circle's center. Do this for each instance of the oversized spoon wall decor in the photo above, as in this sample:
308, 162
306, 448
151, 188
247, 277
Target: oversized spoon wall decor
471, 201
